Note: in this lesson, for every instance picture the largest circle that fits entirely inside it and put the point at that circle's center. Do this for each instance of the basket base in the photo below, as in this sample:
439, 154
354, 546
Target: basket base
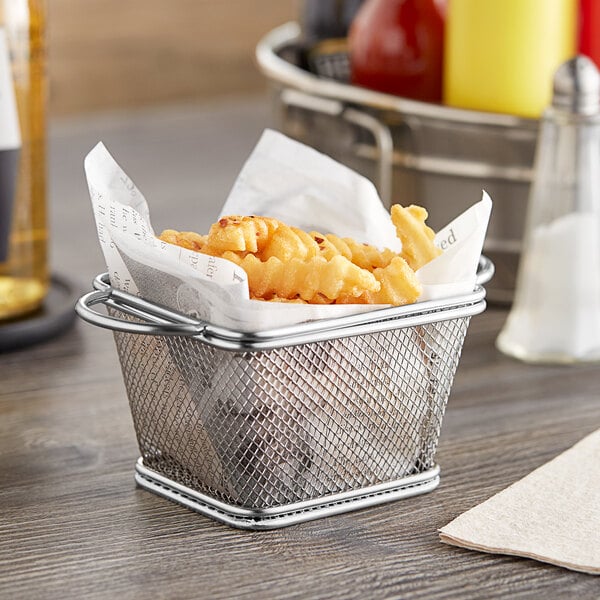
288, 514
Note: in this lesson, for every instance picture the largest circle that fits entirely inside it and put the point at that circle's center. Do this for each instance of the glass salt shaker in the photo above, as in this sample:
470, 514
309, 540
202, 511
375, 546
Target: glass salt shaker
555, 317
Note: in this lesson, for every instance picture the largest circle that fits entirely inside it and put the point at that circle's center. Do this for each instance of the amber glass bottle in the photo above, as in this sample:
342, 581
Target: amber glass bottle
23, 228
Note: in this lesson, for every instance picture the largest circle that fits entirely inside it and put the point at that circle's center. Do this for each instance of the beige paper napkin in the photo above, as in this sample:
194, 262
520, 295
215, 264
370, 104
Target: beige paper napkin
552, 514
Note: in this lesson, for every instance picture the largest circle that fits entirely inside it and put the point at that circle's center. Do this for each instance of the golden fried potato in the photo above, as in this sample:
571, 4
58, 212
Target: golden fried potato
416, 237
286, 264
399, 286
363, 255
316, 280
289, 242
279, 299
267, 237
185, 239
239, 234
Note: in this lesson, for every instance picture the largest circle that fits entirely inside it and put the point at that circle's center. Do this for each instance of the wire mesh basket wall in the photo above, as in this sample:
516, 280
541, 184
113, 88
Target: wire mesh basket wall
266, 431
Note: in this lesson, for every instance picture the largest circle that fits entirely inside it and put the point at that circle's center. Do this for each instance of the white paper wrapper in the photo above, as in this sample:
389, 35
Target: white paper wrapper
282, 179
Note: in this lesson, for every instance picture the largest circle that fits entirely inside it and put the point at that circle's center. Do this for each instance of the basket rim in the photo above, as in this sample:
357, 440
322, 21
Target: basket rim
280, 71
160, 320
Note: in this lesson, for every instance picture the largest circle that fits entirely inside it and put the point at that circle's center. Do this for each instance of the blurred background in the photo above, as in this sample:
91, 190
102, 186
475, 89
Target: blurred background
432, 100
112, 54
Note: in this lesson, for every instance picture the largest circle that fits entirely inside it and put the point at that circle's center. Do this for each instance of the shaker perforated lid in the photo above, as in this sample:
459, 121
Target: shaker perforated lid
577, 87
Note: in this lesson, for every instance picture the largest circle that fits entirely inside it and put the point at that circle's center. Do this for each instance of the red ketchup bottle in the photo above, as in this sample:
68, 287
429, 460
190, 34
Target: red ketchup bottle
589, 29
396, 46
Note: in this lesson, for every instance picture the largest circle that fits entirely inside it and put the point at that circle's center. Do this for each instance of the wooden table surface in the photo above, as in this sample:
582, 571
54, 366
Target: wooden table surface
73, 524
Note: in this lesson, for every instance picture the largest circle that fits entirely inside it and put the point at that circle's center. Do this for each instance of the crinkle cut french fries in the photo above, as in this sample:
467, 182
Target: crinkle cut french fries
287, 264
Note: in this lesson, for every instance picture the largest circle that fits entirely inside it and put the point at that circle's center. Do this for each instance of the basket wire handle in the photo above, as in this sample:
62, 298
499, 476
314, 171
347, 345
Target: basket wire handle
162, 318
485, 270
380, 132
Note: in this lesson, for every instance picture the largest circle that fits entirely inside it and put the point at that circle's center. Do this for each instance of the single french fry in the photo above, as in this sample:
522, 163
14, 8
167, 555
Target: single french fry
239, 234
185, 239
416, 237
399, 286
363, 255
316, 280
289, 242
280, 299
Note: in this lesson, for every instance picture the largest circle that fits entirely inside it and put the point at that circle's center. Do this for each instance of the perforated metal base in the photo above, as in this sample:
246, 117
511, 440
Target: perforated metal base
288, 514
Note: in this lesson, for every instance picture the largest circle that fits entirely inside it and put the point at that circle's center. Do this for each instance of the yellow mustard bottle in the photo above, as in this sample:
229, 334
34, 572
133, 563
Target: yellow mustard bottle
501, 55
23, 229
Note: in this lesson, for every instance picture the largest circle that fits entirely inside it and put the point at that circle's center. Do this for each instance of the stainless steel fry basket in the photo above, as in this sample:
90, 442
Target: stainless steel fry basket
268, 429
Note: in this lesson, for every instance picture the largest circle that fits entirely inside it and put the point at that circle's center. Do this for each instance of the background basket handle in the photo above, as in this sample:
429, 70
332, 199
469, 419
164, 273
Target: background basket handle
485, 270
380, 132
158, 322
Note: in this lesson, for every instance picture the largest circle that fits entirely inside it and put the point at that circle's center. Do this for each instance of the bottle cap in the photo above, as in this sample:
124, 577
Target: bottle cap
577, 87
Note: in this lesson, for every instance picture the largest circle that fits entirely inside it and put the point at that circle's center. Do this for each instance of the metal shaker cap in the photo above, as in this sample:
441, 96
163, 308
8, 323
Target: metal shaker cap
577, 87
